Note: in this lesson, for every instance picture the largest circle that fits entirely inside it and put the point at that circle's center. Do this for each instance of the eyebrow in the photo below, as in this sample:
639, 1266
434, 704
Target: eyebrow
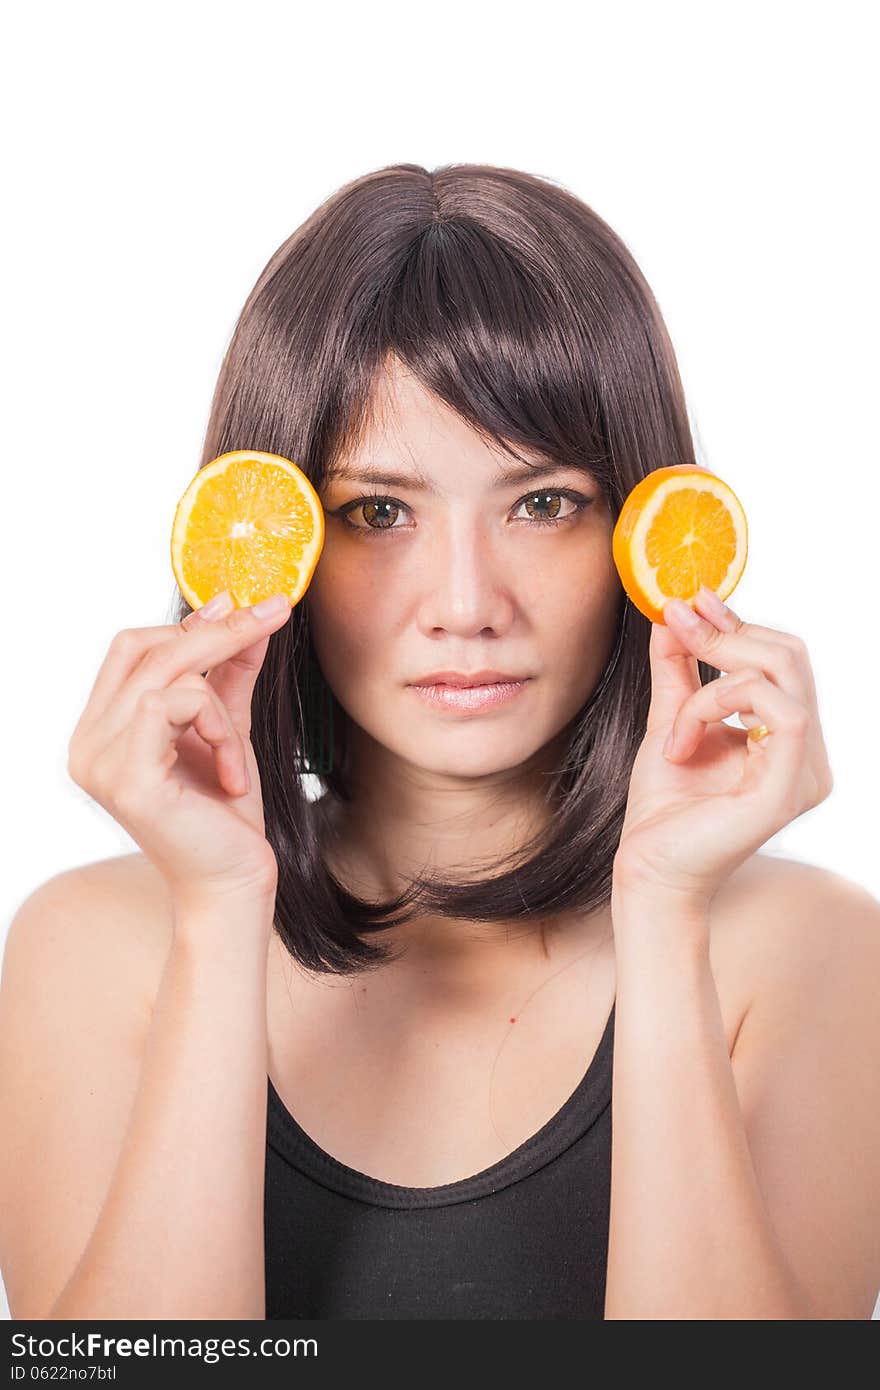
418, 484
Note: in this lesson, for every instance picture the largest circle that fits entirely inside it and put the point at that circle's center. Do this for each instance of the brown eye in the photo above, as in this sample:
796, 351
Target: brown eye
379, 513
383, 513
546, 507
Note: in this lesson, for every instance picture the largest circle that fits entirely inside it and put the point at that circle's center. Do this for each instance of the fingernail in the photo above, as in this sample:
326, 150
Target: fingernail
216, 607
682, 612
269, 607
717, 610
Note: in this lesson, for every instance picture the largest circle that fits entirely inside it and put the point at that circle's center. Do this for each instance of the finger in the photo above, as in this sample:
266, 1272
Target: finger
128, 649
234, 679
197, 648
783, 658
711, 704
162, 716
709, 605
234, 682
125, 652
753, 694
207, 638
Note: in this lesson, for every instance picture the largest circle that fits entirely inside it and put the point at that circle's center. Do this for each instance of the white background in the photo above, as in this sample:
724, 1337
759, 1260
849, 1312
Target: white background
160, 154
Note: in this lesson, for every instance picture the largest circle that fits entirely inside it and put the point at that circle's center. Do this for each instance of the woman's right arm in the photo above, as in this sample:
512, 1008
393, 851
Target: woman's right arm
133, 1152
180, 1234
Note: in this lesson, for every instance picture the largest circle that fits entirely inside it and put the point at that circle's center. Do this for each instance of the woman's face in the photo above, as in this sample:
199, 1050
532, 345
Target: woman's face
454, 566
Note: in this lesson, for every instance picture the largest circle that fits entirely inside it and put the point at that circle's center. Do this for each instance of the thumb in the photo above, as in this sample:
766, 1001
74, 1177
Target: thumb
674, 676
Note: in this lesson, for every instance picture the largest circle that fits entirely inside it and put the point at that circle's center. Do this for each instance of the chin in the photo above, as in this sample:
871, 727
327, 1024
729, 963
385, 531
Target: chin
477, 755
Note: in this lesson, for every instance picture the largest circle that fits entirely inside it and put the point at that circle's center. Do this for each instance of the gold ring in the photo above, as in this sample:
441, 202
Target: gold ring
760, 731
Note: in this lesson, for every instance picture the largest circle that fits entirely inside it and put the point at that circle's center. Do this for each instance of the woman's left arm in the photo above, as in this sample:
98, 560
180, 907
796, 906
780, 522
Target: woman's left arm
704, 1223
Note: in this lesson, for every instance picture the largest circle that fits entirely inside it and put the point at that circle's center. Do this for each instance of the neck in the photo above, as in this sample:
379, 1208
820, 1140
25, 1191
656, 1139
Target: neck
403, 820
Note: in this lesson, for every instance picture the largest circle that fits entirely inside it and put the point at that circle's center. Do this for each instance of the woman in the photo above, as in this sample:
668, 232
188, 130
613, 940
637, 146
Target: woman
534, 852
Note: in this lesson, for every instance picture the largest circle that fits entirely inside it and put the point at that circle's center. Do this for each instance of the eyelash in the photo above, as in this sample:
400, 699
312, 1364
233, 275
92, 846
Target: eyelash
581, 503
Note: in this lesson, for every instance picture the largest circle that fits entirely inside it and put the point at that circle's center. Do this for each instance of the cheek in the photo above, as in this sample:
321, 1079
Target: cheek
352, 618
580, 632
574, 590
575, 612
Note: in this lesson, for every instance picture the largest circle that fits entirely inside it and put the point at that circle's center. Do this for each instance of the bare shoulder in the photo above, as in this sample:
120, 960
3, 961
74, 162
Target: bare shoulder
806, 943
116, 912
779, 925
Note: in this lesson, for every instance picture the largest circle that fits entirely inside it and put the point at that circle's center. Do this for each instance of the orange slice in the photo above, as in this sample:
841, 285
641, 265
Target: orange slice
680, 527
251, 523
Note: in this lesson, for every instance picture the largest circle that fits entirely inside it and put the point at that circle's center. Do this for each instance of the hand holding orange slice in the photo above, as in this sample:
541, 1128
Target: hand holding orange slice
680, 527
249, 522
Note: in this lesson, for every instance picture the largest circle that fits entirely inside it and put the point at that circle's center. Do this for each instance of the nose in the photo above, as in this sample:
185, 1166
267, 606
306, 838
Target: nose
466, 591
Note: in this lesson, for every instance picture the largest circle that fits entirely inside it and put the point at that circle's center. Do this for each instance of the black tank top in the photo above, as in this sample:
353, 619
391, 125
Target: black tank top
526, 1238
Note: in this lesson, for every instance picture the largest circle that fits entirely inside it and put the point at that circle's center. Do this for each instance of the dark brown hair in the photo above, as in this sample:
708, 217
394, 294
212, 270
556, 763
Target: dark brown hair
512, 301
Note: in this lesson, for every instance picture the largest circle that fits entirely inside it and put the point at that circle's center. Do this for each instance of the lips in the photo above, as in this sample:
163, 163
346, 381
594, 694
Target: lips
462, 680
467, 700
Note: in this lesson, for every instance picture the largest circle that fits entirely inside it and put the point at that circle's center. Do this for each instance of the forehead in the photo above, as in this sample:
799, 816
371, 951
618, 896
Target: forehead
411, 430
